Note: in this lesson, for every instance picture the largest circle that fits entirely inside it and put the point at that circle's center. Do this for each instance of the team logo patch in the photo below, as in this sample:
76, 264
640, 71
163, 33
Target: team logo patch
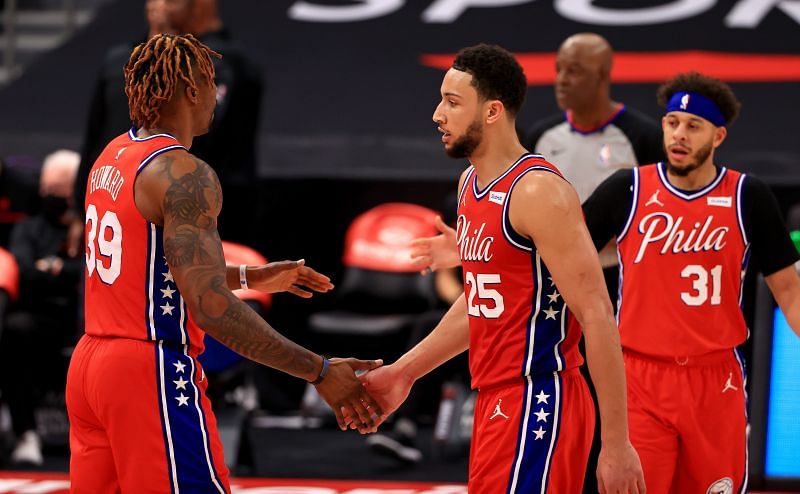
497, 197
724, 202
721, 486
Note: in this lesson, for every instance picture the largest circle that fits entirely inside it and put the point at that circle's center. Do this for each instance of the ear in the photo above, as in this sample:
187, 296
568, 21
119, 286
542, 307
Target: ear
720, 133
191, 94
494, 110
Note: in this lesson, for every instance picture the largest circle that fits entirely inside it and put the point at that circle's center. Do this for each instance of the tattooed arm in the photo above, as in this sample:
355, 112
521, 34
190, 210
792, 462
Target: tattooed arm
182, 193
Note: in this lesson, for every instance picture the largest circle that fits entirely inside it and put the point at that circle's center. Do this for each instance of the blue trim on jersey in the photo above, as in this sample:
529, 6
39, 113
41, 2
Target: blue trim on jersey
191, 466
685, 194
745, 264
154, 154
538, 433
633, 207
546, 328
480, 194
132, 136
165, 307
512, 236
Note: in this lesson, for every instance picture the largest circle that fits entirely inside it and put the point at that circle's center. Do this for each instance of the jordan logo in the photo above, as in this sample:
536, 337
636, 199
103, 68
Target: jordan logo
729, 385
498, 412
654, 199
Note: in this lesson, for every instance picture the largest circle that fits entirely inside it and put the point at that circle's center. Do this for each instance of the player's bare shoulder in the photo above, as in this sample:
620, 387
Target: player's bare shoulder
541, 199
179, 184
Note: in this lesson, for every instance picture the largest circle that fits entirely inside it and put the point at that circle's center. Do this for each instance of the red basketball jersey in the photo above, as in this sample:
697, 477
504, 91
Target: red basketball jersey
683, 257
130, 292
518, 322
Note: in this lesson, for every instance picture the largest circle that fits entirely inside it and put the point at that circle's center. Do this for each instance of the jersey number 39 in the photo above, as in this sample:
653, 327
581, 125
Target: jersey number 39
103, 245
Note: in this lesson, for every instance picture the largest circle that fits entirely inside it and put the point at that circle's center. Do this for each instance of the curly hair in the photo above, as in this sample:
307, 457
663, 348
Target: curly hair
155, 69
496, 74
714, 89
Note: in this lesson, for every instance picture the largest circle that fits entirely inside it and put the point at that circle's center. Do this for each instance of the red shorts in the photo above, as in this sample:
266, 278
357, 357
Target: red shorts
688, 422
532, 437
140, 421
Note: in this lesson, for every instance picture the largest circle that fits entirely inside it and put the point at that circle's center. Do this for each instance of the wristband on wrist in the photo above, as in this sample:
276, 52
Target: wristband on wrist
324, 372
243, 276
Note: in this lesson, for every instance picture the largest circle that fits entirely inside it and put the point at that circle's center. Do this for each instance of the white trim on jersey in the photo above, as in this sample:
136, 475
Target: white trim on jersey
155, 153
536, 310
554, 434
182, 321
480, 194
201, 420
739, 214
465, 184
165, 408
747, 426
151, 268
695, 194
557, 346
134, 137
523, 435
634, 207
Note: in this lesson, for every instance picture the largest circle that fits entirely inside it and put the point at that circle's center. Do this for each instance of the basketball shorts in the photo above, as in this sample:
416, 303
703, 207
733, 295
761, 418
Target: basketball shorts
140, 420
688, 422
532, 437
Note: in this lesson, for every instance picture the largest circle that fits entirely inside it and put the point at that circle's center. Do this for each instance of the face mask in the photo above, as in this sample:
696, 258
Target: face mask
54, 207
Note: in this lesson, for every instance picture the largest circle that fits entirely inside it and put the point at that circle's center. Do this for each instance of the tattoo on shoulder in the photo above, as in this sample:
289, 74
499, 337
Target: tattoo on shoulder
191, 201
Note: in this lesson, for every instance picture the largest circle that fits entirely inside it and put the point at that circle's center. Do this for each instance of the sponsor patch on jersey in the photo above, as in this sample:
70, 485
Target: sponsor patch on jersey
497, 197
724, 202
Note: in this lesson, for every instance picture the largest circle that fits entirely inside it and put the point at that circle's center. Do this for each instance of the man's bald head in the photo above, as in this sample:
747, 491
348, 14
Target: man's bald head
590, 47
583, 67
58, 173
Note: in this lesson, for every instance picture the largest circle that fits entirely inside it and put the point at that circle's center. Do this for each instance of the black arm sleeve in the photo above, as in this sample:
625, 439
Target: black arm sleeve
772, 247
607, 209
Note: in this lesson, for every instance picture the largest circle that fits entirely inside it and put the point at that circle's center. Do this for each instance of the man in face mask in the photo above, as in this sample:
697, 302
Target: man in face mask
43, 320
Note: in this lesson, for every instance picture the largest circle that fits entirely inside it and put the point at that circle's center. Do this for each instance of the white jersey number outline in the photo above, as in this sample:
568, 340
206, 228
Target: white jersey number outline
700, 285
478, 287
108, 248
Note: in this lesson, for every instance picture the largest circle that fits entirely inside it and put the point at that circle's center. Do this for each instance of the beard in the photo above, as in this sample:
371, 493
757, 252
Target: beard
700, 157
465, 145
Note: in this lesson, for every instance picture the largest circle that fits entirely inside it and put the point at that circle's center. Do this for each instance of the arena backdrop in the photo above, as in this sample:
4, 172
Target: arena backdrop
351, 84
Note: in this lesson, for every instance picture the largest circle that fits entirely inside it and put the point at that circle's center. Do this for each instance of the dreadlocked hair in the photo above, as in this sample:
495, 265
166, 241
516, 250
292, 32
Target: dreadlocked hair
155, 69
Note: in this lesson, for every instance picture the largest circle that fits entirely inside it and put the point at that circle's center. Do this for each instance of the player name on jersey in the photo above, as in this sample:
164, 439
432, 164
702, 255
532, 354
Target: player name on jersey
662, 226
474, 246
107, 177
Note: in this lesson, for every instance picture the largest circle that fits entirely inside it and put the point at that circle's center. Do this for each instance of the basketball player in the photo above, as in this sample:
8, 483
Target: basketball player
686, 229
140, 420
525, 252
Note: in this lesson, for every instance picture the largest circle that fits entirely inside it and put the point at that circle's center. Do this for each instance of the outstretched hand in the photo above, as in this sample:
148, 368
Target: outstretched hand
619, 470
429, 254
347, 396
288, 276
389, 387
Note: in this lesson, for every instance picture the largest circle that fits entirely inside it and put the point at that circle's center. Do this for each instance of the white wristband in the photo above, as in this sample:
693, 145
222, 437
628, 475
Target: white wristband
243, 276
